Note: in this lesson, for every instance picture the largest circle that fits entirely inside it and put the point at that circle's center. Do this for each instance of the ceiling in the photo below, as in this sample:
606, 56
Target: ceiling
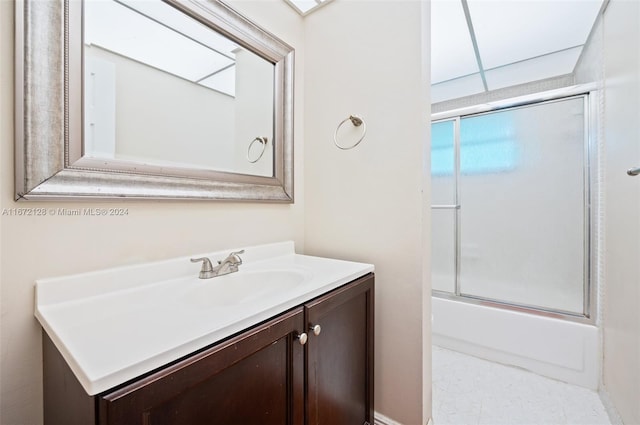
158, 35
476, 45
304, 7
481, 45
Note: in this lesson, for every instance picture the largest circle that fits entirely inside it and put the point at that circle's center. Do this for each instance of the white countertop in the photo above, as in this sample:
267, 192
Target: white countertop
114, 325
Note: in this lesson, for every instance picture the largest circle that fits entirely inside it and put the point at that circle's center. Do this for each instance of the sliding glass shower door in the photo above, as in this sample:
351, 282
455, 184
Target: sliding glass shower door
510, 206
444, 198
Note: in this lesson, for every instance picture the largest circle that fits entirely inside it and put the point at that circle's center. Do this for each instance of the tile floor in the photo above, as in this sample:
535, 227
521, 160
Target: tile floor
471, 391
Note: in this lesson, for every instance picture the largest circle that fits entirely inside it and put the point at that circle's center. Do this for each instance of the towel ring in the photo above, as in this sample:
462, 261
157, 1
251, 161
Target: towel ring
356, 121
262, 140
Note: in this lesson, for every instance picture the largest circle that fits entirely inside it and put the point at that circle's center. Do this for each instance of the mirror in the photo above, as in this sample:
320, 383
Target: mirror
162, 88
152, 99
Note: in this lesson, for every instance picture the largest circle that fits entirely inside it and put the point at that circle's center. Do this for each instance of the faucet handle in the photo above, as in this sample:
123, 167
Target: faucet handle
207, 269
235, 256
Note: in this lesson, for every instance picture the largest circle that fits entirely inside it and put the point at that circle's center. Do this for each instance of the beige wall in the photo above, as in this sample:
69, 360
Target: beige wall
37, 247
622, 208
366, 204
365, 57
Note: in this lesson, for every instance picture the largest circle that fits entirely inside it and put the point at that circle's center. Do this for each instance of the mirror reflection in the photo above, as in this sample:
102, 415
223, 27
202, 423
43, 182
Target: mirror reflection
161, 88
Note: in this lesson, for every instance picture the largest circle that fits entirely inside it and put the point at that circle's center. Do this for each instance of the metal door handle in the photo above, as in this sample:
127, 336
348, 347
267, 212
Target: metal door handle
633, 171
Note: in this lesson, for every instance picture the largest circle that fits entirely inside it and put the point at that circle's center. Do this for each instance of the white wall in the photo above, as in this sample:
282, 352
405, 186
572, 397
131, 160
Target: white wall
622, 208
182, 123
37, 247
372, 58
612, 60
254, 105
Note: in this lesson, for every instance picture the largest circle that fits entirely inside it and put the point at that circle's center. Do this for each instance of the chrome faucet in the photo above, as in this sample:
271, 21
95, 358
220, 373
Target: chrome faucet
226, 266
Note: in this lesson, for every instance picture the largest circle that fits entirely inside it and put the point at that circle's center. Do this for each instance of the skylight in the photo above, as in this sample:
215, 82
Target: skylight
304, 7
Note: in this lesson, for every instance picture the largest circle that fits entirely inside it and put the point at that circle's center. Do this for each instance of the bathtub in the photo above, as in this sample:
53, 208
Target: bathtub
556, 348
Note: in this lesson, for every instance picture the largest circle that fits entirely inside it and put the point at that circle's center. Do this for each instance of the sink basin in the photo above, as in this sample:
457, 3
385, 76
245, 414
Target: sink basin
243, 287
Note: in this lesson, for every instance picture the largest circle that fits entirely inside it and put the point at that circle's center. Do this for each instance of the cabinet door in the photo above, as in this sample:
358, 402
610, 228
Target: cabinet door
256, 377
340, 358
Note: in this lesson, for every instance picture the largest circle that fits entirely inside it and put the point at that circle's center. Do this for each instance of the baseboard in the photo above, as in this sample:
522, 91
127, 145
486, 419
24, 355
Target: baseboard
610, 408
380, 419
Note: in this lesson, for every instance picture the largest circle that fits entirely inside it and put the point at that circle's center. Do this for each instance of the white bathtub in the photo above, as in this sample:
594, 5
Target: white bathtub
556, 348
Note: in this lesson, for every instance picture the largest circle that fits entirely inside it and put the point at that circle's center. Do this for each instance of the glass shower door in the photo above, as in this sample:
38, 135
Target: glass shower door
444, 210
520, 179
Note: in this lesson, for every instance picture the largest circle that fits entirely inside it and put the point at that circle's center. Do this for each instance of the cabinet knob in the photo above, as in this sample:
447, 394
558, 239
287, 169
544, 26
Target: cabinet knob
302, 338
316, 329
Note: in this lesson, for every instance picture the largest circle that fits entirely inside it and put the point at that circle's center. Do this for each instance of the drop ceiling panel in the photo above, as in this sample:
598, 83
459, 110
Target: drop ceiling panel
223, 81
181, 23
452, 52
453, 89
143, 39
508, 31
534, 69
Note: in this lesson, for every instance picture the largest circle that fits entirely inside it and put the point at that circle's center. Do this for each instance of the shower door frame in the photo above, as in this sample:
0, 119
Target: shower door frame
591, 228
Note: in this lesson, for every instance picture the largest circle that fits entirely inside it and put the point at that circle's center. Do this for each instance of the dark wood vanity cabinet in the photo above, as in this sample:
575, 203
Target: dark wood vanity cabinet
262, 376
254, 378
339, 363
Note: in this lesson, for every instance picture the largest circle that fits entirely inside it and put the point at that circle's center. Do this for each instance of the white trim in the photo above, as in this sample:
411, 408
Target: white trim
380, 419
610, 408
516, 101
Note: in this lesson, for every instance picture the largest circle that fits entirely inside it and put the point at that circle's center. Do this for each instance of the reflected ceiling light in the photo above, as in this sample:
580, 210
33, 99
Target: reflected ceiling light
304, 7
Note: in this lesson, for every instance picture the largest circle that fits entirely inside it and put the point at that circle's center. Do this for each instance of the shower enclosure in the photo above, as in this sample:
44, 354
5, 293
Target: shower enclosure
511, 208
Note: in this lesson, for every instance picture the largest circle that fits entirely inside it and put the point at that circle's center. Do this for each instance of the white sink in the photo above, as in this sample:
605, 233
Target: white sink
243, 287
